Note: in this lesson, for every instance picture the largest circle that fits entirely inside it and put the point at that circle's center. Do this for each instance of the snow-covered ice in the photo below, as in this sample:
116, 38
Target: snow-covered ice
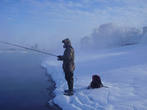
123, 70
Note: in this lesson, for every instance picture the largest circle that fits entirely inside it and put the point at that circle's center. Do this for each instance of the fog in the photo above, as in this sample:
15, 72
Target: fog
28, 38
144, 36
111, 35
47, 22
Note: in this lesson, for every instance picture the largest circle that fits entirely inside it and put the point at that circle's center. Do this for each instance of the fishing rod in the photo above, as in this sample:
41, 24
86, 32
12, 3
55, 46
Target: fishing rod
27, 48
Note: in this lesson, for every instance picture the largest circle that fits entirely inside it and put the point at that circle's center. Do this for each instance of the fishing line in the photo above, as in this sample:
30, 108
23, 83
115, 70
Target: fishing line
27, 48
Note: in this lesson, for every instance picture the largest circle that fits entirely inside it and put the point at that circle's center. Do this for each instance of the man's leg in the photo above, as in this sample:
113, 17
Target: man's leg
71, 81
67, 80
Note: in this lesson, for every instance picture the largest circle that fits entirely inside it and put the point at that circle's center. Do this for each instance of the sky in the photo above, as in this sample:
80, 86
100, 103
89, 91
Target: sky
47, 22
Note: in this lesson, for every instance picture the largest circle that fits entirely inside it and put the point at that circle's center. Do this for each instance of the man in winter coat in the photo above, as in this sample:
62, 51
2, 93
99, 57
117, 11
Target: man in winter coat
68, 64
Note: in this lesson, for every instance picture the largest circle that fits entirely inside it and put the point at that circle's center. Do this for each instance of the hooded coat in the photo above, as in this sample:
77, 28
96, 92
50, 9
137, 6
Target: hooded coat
68, 57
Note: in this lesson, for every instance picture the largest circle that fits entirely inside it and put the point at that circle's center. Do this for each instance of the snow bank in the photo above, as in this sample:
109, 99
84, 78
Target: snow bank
123, 70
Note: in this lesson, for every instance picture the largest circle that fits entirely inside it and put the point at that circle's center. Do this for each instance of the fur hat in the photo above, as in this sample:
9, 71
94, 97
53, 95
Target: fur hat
66, 42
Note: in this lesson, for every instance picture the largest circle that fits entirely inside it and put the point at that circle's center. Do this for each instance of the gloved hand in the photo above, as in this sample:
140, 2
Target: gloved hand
59, 57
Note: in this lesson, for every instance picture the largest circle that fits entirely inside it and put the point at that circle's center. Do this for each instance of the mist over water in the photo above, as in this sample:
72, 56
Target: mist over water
108, 35
111, 35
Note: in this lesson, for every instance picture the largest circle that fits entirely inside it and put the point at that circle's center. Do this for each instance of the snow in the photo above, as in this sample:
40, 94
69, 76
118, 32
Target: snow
123, 70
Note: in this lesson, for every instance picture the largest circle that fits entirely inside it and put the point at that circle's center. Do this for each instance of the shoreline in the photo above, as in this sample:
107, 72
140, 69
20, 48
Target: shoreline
51, 103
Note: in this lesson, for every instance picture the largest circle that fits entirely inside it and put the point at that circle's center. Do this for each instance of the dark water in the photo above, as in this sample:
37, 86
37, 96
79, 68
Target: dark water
24, 85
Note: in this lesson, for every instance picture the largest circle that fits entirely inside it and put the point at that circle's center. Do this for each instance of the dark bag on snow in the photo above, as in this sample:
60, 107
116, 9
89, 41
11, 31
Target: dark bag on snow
96, 82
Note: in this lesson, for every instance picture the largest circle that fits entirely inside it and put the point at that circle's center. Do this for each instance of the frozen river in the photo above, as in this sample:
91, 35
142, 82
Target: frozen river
24, 85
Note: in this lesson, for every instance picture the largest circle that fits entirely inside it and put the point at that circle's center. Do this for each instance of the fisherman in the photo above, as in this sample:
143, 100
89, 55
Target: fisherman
68, 65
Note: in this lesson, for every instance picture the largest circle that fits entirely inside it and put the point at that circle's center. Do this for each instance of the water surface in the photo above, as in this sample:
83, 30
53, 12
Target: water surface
24, 85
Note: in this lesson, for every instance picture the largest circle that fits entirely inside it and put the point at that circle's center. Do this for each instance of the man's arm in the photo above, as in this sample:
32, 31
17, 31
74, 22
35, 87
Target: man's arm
68, 55
60, 57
